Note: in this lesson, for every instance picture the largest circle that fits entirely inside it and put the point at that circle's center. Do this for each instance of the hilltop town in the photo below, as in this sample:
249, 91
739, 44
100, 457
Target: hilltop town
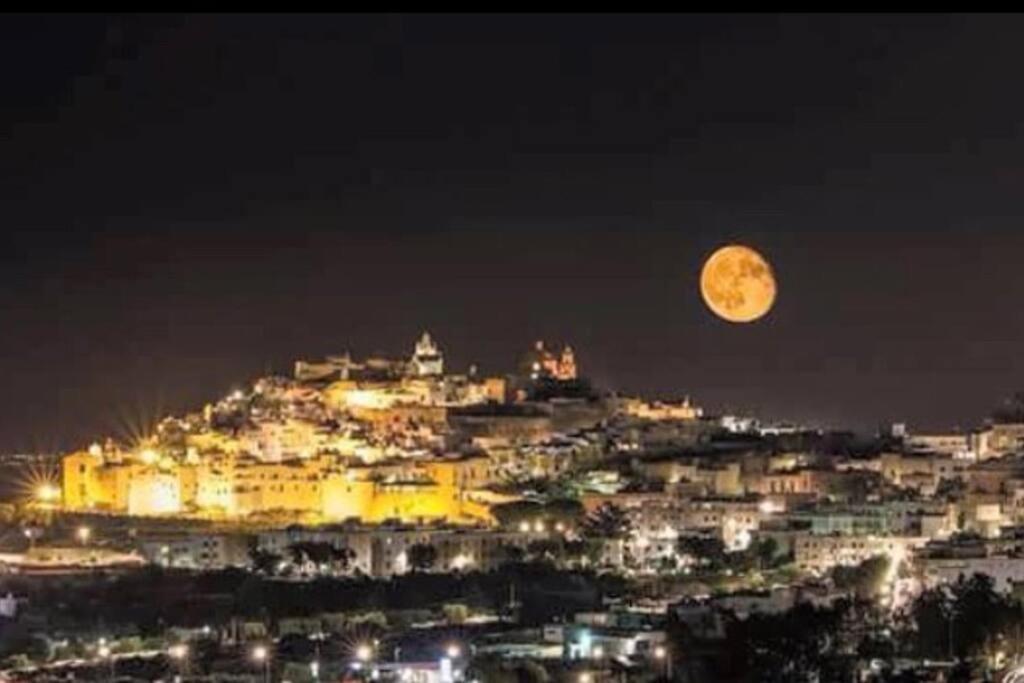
374, 440
678, 526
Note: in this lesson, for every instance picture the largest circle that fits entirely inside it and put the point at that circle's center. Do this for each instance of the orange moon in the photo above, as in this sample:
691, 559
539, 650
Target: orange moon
738, 284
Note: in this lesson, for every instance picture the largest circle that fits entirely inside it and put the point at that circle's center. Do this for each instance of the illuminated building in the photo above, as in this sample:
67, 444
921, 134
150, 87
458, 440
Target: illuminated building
343, 439
661, 411
812, 552
197, 551
320, 488
154, 493
427, 360
542, 363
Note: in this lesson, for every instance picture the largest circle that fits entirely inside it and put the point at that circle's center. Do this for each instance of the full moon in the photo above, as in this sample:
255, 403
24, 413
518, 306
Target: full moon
737, 284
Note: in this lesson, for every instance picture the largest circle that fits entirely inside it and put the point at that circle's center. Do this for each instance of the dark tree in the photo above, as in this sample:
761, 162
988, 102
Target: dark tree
608, 521
264, 562
709, 550
866, 579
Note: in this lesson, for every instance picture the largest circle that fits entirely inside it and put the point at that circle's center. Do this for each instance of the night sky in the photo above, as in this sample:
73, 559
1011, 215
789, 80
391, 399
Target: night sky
188, 202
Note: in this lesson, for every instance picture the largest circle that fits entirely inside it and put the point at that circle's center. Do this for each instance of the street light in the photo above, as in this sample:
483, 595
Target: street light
453, 651
586, 677
83, 534
105, 654
364, 652
179, 653
597, 652
661, 654
261, 655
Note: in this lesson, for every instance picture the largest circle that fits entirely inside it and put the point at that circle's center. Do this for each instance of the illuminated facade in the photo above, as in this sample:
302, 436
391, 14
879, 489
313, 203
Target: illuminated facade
427, 360
542, 363
661, 411
316, 489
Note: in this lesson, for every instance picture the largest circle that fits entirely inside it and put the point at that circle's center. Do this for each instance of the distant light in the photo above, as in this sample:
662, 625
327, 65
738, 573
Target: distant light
598, 652
148, 456
83, 534
524, 527
47, 493
260, 653
539, 526
454, 651
585, 677
179, 651
660, 652
364, 652
103, 651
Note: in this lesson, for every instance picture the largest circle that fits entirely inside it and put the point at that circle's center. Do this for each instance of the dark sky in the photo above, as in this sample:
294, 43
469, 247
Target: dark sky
189, 201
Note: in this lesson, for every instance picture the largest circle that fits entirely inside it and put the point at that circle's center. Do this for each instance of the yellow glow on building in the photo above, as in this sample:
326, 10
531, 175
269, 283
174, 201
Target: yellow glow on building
317, 488
154, 493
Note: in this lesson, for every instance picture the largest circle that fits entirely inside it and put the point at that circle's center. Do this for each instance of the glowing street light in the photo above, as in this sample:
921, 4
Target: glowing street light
598, 652
103, 651
47, 493
364, 652
661, 654
83, 533
586, 677
453, 651
261, 655
178, 652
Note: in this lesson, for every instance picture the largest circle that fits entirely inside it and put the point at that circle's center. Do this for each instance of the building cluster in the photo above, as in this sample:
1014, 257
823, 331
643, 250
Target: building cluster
375, 454
375, 440
381, 467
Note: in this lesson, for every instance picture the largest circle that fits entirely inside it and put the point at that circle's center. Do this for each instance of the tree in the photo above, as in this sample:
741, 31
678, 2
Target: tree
802, 644
866, 579
765, 549
422, 556
962, 619
321, 554
584, 552
709, 550
262, 561
608, 521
